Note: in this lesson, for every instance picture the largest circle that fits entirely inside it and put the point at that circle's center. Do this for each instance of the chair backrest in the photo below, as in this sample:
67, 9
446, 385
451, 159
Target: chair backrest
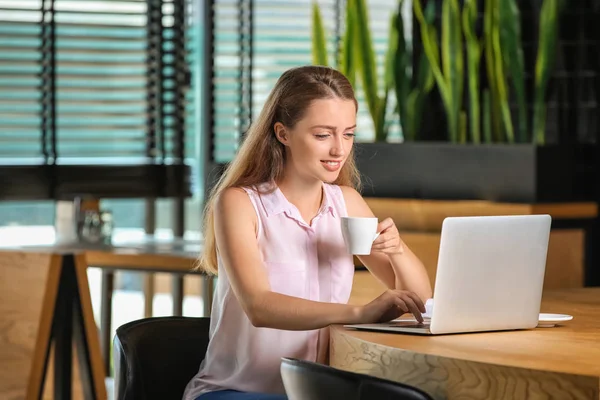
155, 358
305, 380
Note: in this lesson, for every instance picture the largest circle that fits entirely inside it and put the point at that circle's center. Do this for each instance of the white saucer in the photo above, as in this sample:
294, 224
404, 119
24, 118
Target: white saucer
549, 320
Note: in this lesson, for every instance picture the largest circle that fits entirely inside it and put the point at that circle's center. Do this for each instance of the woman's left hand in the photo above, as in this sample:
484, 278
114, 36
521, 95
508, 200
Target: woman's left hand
388, 241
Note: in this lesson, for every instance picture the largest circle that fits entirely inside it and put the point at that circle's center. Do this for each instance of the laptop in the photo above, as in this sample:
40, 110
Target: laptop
490, 276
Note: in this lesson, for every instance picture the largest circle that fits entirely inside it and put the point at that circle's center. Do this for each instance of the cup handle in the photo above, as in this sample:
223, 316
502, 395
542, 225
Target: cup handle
376, 236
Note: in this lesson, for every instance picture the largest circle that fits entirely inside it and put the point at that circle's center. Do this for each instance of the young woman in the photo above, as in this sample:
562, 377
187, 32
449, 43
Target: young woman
273, 232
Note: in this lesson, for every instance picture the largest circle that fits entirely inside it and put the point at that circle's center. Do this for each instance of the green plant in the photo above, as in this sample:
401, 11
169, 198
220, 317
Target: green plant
501, 117
469, 16
512, 49
494, 108
489, 114
319, 43
450, 76
357, 56
345, 62
366, 67
410, 100
548, 32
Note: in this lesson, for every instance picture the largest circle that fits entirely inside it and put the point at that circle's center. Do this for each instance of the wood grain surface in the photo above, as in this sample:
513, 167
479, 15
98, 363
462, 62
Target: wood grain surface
564, 264
28, 288
91, 330
549, 363
139, 260
420, 222
428, 215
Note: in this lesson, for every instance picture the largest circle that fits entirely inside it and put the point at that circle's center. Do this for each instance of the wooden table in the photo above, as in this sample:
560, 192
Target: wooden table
47, 312
551, 363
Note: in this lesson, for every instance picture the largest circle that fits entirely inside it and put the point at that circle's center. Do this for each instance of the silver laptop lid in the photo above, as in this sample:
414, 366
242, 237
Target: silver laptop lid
490, 273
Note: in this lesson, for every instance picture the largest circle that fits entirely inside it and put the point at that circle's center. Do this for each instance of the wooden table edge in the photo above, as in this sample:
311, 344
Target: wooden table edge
340, 330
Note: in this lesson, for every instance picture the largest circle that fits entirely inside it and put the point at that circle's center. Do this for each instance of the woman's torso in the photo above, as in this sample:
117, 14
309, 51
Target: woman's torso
302, 260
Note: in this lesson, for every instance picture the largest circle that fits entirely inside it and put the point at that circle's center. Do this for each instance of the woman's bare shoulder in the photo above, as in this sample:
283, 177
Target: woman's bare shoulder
233, 199
355, 203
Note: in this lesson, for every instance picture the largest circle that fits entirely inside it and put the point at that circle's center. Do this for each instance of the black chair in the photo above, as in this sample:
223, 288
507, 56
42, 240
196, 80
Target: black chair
155, 358
305, 380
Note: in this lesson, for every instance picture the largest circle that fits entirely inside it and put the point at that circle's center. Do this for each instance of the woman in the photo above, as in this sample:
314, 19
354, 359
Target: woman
273, 232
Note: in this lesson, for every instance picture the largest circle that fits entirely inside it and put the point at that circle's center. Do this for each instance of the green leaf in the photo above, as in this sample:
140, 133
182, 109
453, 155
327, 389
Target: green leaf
545, 61
452, 59
512, 51
366, 61
319, 44
400, 73
501, 90
473, 59
430, 48
425, 75
347, 63
394, 40
488, 28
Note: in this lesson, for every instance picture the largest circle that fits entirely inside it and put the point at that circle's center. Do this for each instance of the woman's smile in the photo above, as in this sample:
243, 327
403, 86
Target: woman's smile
332, 165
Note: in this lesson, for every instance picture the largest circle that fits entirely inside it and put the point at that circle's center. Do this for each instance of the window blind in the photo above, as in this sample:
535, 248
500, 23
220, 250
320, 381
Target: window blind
231, 84
280, 38
102, 77
20, 39
104, 83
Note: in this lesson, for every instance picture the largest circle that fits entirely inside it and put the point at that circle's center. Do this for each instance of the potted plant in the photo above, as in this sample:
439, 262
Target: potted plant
491, 151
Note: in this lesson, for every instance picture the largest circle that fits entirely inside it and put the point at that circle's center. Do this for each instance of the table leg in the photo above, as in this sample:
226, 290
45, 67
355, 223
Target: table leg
68, 328
108, 280
148, 294
149, 228
62, 330
207, 293
177, 294
81, 343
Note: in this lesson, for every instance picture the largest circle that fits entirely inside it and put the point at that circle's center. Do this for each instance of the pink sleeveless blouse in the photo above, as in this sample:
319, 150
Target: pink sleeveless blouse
302, 260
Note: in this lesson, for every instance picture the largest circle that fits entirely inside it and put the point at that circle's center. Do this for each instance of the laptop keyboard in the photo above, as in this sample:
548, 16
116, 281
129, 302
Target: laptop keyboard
409, 324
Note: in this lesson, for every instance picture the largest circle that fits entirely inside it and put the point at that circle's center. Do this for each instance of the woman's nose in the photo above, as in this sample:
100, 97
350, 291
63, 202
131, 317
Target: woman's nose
337, 149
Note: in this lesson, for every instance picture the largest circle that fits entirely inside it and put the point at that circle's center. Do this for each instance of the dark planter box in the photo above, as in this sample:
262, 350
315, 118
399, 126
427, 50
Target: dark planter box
504, 173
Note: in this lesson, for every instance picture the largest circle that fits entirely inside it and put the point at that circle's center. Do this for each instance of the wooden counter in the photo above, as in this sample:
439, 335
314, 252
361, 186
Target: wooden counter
559, 363
570, 263
427, 215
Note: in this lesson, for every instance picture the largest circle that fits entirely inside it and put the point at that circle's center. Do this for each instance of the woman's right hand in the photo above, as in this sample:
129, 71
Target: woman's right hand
390, 305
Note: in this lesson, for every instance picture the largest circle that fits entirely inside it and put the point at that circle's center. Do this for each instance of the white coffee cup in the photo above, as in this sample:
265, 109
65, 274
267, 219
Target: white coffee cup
359, 234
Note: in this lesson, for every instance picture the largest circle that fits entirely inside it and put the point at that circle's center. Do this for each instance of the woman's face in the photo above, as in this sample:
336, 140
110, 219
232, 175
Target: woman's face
319, 144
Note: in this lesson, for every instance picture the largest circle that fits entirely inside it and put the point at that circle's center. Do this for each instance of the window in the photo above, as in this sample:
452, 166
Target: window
101, 96
255, 42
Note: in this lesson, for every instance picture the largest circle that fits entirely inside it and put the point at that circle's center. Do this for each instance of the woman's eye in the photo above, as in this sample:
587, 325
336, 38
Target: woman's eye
349, 134
322, 136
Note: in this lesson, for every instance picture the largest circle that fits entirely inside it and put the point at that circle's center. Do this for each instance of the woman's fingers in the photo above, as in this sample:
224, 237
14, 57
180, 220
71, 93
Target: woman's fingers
401, 304
384, 242
385, 224
417, 301
382, 238
414, 310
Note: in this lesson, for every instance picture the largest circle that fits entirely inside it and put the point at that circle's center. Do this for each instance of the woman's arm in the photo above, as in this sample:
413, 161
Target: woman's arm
396, 270
235, 230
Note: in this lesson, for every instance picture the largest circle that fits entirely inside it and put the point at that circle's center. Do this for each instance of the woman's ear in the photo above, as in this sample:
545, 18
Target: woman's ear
281, 133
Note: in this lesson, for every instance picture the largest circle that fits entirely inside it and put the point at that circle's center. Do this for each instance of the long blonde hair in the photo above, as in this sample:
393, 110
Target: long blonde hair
261, 156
